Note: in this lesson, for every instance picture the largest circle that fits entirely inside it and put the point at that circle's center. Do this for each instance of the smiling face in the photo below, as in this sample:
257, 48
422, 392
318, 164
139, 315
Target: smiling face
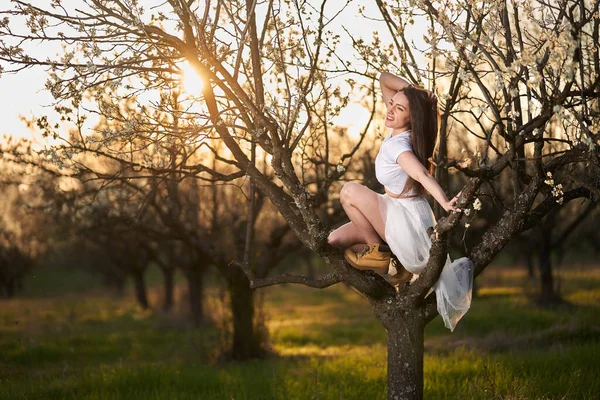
398, 113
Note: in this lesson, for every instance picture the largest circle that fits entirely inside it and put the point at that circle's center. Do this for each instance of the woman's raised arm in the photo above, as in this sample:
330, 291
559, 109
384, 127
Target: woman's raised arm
413, 167
390, 84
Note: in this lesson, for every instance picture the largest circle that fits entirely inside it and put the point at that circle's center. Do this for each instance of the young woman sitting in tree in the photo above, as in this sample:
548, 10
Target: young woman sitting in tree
398, 221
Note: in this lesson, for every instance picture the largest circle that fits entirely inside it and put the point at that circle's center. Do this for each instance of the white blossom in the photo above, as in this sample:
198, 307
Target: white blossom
588, 142
91, 67
259, 132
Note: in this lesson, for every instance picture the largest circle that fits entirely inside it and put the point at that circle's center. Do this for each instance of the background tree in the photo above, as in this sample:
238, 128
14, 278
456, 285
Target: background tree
25, 231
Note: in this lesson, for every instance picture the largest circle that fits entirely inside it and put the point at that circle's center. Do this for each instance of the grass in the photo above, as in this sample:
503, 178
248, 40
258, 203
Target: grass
327, 345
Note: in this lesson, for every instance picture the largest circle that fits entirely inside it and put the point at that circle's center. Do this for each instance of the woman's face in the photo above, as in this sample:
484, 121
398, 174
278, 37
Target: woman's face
398, 113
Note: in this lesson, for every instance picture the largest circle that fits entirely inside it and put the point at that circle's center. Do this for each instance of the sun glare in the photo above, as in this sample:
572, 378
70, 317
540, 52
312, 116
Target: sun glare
191, 81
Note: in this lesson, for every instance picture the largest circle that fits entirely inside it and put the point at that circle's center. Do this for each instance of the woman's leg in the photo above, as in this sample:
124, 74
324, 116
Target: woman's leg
362, 207
366, 226
346, 236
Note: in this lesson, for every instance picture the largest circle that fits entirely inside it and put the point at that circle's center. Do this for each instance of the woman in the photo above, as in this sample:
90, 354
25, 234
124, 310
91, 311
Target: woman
398, 221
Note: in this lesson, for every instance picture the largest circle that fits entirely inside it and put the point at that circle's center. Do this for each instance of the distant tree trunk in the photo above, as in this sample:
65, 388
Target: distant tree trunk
548, 295
246, 344
594, 243
530, 264
560, 254
310, 267
140, 288
195, 277
10, 289
168, 275
118, 285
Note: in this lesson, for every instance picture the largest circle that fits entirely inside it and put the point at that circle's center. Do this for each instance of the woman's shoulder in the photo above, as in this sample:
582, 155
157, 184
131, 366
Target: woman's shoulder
399, 136
396, 145
400, 139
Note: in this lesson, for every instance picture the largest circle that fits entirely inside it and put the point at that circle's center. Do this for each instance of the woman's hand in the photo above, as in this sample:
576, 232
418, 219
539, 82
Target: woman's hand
450, 205
390, 84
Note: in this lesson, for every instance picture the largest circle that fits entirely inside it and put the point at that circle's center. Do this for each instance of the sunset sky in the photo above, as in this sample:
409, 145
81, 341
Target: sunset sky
23, 94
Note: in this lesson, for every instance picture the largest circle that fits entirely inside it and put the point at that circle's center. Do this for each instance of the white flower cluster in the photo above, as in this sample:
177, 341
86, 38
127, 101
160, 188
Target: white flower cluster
467, 211
549, 181
557, 191
588, 142
91, 67
258, 132
53, 156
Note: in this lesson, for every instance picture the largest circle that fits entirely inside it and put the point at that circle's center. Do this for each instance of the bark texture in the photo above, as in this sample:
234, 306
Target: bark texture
405, 359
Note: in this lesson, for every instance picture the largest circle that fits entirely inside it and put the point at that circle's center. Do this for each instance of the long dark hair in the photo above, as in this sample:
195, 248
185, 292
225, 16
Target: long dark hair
423, 130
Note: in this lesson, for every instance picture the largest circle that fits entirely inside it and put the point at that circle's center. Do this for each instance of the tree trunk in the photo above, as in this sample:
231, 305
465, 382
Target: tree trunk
530, 264
10, 289
310, 267
560, 254
548, 295
119, 286
405, 359
195, 278
141, 294
168, 274
245, 343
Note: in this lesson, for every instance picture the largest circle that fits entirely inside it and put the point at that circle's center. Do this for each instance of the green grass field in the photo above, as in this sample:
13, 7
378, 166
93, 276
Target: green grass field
326, 345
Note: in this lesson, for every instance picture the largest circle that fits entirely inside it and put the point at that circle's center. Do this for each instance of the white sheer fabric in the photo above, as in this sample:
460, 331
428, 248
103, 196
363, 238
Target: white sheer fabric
406, 223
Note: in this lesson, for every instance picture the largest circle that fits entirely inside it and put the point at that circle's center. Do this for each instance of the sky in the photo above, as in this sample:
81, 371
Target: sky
23, 94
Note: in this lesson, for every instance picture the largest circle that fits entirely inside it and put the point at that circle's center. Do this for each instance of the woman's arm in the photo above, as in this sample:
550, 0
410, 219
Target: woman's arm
390, 84
413, 167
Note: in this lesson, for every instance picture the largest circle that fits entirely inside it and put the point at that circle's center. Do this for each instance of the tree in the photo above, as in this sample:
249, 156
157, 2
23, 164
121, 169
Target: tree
24, 227
14, 264
267, 88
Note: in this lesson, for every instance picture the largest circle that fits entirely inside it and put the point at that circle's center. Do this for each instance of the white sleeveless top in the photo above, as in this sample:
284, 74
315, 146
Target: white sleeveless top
387, 170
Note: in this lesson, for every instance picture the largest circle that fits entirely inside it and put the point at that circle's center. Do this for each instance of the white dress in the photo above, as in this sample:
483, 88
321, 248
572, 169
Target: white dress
406, 223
